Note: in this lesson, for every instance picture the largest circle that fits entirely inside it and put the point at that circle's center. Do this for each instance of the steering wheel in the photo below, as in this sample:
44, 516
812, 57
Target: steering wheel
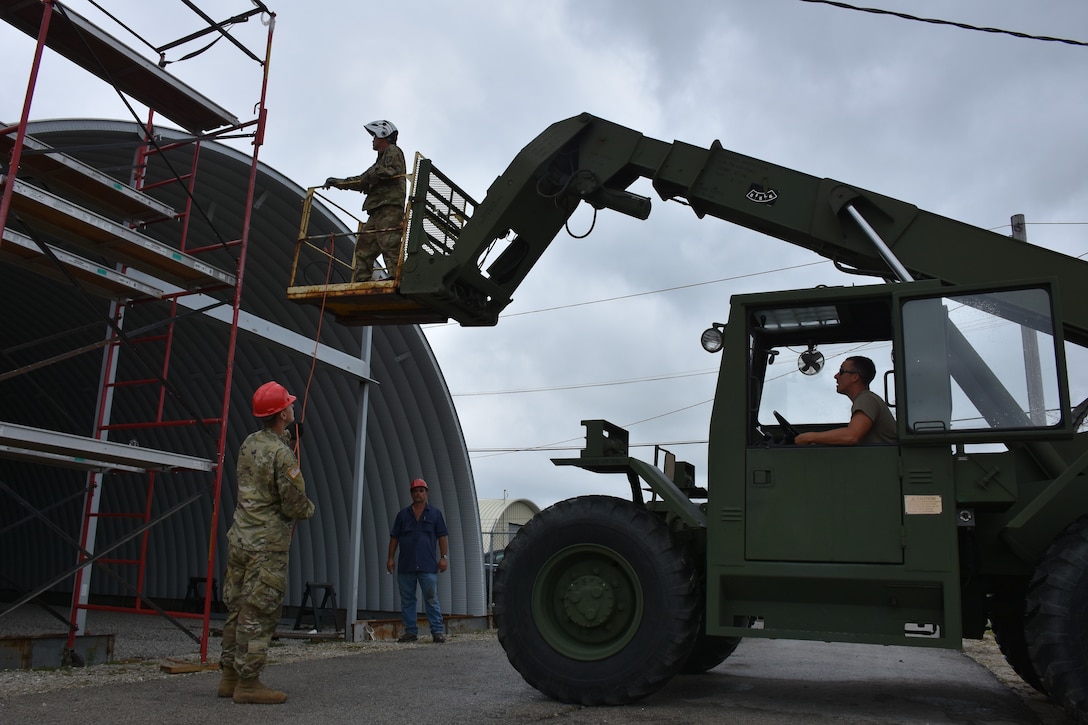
790, 430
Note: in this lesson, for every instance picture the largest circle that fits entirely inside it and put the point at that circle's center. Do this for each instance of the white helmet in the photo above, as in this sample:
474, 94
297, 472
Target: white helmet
380, 129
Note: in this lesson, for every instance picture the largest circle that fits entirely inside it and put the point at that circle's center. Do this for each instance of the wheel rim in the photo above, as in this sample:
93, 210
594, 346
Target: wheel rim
587, 602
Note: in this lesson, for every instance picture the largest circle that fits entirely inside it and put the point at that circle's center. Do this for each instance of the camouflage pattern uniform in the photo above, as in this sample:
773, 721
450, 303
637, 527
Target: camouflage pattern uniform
384, 186
271, 497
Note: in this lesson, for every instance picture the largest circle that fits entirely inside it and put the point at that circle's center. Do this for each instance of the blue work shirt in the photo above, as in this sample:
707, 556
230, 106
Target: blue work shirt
418, 539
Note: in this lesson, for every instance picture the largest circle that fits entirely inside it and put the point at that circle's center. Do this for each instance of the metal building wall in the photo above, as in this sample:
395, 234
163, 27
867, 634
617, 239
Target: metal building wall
411, 426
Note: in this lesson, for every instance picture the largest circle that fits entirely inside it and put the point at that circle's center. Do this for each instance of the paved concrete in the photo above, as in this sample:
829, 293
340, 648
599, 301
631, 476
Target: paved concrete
468, 680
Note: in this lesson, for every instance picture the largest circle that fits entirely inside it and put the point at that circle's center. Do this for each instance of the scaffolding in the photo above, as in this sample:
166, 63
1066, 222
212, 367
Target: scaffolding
66, 220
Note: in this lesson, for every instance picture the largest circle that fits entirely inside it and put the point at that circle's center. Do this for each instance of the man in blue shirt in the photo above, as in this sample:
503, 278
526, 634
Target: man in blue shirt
420, 531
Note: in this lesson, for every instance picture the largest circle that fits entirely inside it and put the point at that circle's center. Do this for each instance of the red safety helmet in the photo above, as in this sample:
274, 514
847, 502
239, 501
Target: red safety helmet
270, 399
417, 483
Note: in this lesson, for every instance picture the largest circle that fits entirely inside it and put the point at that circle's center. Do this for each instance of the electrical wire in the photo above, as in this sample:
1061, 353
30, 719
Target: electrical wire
578, 386
644, 294
936, 21
551, 446
563, 444
558, 447
715, 281
1082, 255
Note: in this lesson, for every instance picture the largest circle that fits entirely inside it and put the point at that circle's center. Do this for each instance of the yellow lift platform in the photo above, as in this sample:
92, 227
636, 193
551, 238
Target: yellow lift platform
436, 212
461, 260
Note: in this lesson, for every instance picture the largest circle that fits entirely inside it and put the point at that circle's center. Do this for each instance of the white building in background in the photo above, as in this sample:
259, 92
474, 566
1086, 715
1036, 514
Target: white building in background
500, 519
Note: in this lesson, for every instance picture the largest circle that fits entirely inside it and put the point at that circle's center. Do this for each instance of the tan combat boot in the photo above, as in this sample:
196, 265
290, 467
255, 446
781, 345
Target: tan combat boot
251, 691
228, 681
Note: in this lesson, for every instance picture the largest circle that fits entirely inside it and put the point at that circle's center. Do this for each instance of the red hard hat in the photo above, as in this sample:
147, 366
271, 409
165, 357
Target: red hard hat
417, 483
270, 399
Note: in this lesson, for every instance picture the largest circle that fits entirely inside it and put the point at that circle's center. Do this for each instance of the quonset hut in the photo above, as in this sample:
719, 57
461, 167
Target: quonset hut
374, 395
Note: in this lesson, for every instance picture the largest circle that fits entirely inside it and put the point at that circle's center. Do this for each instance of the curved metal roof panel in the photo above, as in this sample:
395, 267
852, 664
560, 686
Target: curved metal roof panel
411, 425
498, 511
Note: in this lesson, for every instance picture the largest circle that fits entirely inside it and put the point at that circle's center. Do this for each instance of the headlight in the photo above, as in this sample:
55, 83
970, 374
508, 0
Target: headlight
713, 338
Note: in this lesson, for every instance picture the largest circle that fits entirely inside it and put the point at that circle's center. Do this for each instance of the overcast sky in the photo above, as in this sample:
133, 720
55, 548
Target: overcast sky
970, 125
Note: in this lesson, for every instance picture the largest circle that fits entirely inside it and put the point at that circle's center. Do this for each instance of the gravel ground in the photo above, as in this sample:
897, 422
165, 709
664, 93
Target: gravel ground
142, 643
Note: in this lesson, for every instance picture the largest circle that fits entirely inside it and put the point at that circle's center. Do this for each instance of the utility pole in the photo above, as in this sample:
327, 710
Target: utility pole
1032, 367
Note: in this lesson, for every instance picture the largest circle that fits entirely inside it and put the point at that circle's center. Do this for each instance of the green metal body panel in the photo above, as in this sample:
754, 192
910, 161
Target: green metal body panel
823, 504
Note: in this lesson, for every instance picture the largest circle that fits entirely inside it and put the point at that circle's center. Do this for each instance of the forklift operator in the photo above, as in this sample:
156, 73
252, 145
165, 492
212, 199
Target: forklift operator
870, 419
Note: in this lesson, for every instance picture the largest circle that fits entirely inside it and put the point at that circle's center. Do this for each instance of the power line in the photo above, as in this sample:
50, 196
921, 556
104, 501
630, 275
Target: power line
557, 447
666, 289
671, 412
1052, 224
677, 288
577, 386
586, 303
935, 21
1039, 224
562, 445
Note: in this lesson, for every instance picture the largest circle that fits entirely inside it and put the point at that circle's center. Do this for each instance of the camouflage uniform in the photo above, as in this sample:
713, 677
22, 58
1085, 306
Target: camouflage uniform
384, 186
271, 497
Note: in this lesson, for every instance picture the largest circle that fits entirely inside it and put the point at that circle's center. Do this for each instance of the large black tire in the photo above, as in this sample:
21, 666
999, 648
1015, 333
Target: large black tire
595, 602
709, 652
1007, 623
1057, 620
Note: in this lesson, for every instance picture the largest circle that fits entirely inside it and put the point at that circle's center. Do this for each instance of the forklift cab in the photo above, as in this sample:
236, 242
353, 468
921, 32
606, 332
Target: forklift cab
801, 499
951, 366
862, 540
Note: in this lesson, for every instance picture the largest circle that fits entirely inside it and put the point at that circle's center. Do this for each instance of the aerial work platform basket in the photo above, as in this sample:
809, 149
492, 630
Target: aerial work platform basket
322, 268
462, 260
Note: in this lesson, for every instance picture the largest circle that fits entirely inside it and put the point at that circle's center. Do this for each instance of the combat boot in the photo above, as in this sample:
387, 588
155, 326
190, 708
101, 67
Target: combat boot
251, 691
228, 681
